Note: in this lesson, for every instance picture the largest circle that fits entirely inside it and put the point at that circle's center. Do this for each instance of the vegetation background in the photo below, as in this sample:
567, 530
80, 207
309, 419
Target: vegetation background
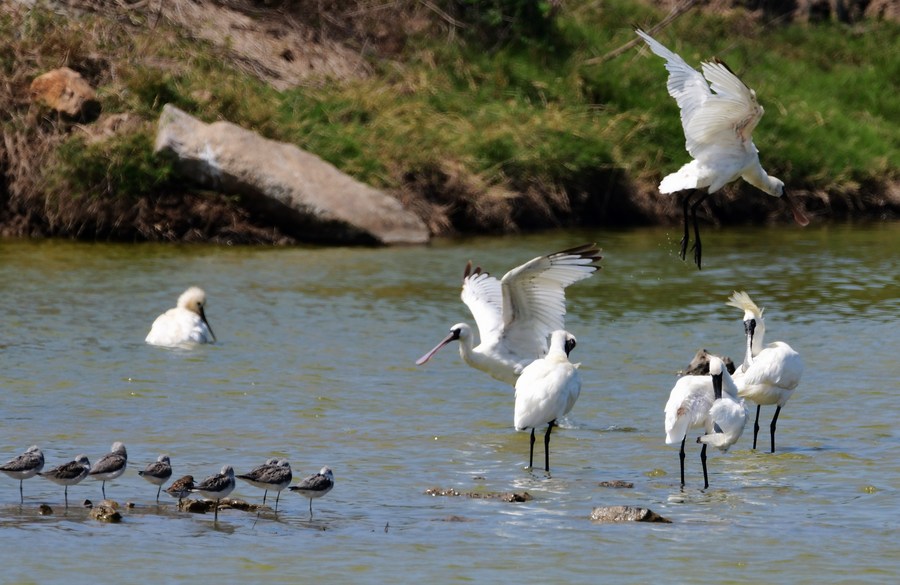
480, 115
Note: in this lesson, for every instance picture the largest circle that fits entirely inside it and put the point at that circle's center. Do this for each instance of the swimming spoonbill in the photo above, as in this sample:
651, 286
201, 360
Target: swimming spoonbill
688, 408
768, 375
158, 472
25, 466
718, 115
184, 324
216, 487
315, 486
516, 314
547, 390
110, 466
69, 473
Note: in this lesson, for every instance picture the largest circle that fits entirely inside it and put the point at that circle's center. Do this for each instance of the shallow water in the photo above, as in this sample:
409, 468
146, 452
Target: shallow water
316, 363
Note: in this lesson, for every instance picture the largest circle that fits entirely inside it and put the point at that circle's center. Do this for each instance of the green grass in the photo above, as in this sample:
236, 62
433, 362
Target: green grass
529, 112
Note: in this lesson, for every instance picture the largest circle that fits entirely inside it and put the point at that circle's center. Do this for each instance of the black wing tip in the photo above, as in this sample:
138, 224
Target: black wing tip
587, 251
718, 61
469, 271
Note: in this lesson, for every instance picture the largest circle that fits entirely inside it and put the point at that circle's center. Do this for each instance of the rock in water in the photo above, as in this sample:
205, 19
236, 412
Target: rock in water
298, 191
610, 514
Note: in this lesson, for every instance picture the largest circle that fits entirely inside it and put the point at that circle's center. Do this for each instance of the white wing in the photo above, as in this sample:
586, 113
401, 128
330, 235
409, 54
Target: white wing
481, 293
723, 120
534, 297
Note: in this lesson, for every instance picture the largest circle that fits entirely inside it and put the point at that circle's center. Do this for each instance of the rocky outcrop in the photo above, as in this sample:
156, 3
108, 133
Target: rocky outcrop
303, 195
65, 91
614, 514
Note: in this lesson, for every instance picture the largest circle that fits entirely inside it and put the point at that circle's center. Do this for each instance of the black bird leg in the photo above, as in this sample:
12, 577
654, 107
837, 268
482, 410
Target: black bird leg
531, 451
756, 425
697, 246
703, 461
772, 426
681, 456
685, 202
547, 446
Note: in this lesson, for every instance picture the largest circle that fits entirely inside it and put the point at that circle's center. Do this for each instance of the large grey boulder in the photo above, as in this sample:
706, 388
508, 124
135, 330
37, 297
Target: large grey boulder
301, 193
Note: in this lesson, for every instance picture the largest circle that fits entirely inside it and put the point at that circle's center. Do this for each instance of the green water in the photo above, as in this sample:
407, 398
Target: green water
316, 363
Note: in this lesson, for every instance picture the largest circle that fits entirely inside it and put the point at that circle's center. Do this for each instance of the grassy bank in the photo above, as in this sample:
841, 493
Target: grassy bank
478, 123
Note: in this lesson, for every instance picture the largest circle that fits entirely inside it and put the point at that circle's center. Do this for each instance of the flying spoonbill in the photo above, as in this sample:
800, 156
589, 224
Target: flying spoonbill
68, 474
688, 407
110, 466
547, 390
768, 375
25, 466
718, 115
186, 323
516, 314
216, 487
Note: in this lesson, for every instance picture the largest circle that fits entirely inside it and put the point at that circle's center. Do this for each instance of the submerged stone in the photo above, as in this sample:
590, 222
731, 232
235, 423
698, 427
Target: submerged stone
615, 514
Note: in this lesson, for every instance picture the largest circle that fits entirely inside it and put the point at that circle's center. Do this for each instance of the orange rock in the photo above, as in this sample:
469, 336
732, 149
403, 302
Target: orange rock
67, 92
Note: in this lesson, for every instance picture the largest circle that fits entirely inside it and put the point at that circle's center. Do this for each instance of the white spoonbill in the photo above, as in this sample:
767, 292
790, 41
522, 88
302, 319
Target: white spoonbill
25, 466
547, 390
689, 406
718, 115
729, 416
768, 375
186, 323
516, 314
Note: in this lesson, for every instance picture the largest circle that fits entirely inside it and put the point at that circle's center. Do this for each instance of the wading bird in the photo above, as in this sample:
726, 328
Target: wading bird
184, 324
216, 487
25, 466
688, 407
181, 487
274, 474
547, 391
718, 115
158, 472
768, 375
315, 486
68, 474
110, 466
729, 417
516, 314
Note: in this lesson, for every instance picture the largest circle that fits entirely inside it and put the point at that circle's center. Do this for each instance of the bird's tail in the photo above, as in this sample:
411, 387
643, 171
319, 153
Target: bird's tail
684, 178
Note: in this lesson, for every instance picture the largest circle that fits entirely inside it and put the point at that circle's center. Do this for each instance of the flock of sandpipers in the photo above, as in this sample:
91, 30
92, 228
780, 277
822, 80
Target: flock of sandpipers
520, 319
273, 475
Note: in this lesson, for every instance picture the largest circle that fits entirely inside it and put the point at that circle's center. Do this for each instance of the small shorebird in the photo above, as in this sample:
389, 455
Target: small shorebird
270, 476
718, 115
181, 487
547, 391
68, 474
25, 466
158, 472
216, 487
184, 324
315, 486
110, 466
516, 314
769, 374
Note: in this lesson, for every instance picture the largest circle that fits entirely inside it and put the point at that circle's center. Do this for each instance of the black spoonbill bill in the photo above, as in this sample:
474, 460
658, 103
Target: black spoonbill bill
688, 408
158, 472
718, 115
315, 486
216, 487
184, 324
110, 466
270, 476
516, 314
546, 391
728, 414
25, 466
768, 375
69, 473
